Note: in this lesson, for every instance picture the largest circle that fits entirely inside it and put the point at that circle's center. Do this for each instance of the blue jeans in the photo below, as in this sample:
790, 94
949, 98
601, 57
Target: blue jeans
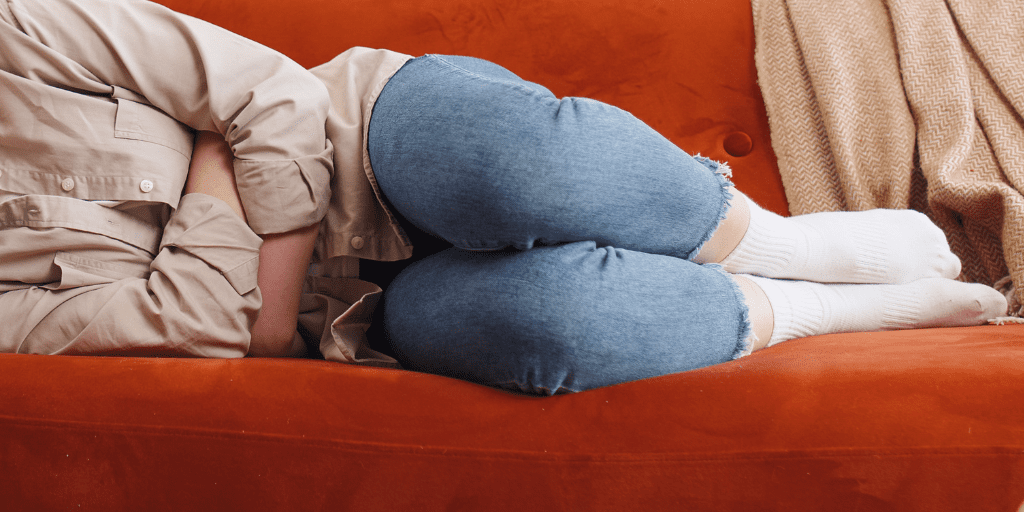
573, 224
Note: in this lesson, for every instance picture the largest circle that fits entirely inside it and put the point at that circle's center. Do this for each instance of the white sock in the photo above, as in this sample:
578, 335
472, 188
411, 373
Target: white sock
802, 308
875, 246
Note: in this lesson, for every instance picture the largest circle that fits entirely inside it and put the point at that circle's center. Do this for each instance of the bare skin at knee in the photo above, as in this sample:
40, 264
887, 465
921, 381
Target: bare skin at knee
924, 293
729, 232
762, 318
284, 257
722, 242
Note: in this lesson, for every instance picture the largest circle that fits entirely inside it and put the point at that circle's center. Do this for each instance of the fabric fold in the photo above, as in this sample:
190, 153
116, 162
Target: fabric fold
903, 104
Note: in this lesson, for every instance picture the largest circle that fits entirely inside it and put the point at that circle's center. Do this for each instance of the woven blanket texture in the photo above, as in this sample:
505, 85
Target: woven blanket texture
904, 104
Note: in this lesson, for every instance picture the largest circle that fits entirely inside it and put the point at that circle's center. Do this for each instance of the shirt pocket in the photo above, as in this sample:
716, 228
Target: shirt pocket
138, 121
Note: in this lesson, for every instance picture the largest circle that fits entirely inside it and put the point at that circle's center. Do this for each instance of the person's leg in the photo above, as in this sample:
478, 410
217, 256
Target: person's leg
576, 316
729, 233
803, 308
876, 246
467, 151
901, 259
562, 318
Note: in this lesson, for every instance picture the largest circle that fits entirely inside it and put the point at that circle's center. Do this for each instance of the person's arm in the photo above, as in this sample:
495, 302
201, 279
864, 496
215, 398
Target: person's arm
284, 257
275, 169
268, 108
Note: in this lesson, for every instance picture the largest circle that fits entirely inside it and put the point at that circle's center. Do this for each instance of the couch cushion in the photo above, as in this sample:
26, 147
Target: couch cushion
908, 420
685, 68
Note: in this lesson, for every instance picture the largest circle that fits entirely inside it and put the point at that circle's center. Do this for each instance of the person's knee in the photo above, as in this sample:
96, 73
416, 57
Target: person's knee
491, 343
499, 328
561, 318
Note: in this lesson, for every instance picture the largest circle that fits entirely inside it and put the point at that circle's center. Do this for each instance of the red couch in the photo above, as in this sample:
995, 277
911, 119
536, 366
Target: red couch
912, 420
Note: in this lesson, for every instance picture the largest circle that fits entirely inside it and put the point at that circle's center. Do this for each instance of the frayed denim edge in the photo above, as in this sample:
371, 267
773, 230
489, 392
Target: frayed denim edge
745, 345
723, 172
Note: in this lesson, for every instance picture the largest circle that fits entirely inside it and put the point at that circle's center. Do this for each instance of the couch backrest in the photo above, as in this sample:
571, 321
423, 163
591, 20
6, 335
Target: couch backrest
684, 67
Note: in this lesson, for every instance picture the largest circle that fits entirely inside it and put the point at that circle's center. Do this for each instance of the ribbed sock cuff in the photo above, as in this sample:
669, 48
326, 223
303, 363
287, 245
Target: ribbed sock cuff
761, 252
797, 309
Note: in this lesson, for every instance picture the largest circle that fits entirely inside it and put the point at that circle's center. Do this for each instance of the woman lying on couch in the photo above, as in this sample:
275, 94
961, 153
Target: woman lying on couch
588, 249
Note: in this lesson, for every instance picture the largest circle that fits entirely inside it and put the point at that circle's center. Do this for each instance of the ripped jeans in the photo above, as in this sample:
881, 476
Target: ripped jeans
573, 225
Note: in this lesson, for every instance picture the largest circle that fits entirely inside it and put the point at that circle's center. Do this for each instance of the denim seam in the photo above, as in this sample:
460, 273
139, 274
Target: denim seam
722, 172
477, 76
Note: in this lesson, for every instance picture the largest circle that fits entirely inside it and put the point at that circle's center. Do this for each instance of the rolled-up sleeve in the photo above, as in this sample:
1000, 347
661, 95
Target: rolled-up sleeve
271, 110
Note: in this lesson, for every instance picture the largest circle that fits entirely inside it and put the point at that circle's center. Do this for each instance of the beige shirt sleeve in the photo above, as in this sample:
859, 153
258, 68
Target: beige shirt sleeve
271, 111
5, 13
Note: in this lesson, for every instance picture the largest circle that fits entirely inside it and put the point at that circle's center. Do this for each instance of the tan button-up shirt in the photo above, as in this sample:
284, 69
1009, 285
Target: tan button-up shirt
100, 99
357, 222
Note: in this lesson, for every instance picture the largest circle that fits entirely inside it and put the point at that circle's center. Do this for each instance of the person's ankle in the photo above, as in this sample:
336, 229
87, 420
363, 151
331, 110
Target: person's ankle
730, 230
759, 312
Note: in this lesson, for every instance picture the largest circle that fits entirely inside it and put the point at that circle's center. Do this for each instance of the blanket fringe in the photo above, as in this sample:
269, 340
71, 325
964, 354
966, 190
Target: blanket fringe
1015, 312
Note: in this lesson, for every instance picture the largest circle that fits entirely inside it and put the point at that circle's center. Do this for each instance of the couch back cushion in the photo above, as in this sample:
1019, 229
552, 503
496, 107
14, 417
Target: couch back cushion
685, 68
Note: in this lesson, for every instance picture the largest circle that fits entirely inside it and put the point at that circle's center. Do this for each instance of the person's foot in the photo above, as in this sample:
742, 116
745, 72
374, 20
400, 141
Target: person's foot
801, 308
875, 246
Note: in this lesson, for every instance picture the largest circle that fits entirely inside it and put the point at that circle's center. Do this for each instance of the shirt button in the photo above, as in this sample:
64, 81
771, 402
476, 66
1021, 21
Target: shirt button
146, 186
357, 242
67, 184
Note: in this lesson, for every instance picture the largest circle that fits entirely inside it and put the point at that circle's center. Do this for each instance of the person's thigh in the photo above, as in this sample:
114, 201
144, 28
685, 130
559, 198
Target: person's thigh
562, 318
467, 151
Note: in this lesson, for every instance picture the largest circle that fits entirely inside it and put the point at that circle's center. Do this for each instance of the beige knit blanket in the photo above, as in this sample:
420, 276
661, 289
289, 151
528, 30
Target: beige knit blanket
904, 104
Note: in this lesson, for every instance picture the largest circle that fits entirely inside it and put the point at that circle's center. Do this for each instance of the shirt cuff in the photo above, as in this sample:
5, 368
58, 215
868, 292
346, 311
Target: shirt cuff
284, 195
208, 229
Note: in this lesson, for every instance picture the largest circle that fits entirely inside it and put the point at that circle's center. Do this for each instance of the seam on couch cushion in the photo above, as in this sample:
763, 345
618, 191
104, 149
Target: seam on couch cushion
500, 454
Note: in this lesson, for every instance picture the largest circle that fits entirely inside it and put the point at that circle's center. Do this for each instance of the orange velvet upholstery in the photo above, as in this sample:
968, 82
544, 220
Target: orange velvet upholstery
914, 420
684, 67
